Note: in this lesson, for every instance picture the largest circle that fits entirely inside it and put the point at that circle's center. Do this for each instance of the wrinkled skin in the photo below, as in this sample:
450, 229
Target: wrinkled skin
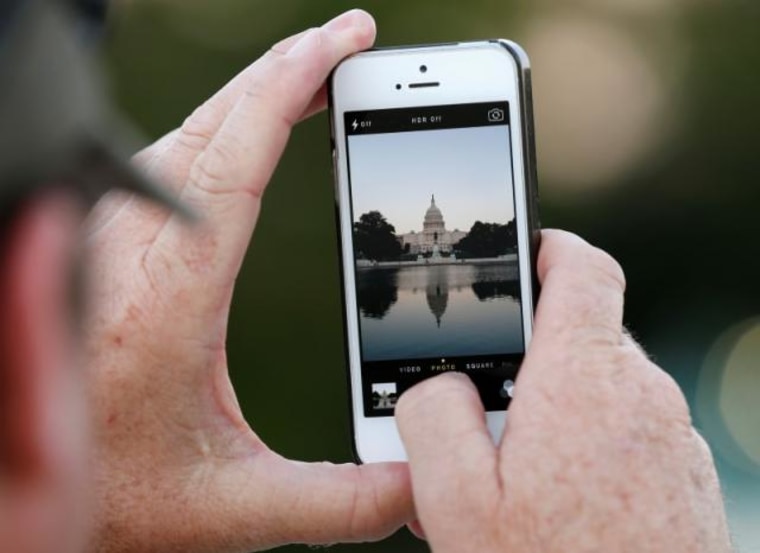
599, 453
177, 467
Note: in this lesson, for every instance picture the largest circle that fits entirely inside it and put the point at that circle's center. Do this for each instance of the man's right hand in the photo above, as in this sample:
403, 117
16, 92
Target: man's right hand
176, 465
599, 453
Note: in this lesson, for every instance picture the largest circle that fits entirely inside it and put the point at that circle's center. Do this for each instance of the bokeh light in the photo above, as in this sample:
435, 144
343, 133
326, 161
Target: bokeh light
600, 104
727, 395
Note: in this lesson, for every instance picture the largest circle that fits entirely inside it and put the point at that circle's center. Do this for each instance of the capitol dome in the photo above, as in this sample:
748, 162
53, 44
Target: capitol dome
433, 215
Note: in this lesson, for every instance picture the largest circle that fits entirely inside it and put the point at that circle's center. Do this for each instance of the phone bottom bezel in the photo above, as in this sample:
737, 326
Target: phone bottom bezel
376, 439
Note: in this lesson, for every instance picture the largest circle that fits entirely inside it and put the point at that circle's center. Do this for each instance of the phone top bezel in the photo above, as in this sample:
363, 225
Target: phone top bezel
385, 443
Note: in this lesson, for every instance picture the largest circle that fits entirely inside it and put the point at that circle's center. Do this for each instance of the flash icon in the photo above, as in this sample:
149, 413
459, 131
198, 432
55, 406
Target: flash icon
355, 124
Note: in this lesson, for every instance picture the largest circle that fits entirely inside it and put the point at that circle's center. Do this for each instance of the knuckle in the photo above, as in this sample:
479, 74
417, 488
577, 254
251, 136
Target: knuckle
665, 396
204, 177
209, 173
296, 69
322, 50
282, 47
367, 518
198, 128
555, 244
704, 451
223, 153
703, 474
568, 254
607, 266
356, 524
317, 31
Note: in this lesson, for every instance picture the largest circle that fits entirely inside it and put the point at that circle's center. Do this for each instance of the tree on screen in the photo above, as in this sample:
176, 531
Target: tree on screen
488, 240
375, 238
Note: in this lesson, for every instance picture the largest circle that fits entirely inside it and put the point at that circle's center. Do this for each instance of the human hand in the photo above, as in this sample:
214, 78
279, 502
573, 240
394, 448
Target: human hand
177, 466
599, 453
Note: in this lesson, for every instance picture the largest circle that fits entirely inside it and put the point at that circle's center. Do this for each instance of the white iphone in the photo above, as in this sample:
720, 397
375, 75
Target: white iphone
434, 165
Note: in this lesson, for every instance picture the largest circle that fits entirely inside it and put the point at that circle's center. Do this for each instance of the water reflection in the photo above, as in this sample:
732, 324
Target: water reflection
468, 309
437, 291
376, 292
490, 284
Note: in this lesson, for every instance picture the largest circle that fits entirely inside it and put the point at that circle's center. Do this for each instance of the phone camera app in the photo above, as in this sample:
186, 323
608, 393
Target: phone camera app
495, 115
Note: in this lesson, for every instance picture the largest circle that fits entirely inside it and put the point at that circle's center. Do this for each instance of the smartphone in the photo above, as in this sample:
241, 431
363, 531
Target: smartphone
435, 175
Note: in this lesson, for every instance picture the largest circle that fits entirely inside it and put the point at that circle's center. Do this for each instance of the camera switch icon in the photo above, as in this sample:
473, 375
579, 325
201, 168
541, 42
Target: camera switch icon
507, 389
495, 115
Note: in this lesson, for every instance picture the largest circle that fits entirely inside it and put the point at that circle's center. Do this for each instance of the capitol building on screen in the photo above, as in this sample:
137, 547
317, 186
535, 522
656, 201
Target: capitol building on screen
434, 237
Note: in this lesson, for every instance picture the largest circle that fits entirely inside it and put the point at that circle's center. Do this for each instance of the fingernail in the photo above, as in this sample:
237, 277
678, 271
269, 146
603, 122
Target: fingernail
350, 19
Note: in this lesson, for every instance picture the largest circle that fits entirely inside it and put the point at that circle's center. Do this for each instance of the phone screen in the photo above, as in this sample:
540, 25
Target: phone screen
435, 248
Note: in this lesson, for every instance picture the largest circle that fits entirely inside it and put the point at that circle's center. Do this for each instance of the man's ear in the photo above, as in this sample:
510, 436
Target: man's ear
41, 433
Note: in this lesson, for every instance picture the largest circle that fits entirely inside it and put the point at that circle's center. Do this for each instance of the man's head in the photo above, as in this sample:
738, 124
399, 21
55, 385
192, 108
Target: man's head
57, 156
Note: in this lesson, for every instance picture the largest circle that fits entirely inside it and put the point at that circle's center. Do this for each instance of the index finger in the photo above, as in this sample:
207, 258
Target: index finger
200, 127
582, 291
452, 458
226, 181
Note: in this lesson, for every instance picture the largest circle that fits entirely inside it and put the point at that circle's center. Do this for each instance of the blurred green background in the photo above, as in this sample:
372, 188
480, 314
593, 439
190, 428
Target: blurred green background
648, 146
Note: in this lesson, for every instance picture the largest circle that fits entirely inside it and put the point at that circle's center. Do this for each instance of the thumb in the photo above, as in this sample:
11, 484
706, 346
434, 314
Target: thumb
280, 501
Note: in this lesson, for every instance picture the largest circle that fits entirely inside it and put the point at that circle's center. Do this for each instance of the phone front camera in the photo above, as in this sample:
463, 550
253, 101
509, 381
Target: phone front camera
398, 87
423, 68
